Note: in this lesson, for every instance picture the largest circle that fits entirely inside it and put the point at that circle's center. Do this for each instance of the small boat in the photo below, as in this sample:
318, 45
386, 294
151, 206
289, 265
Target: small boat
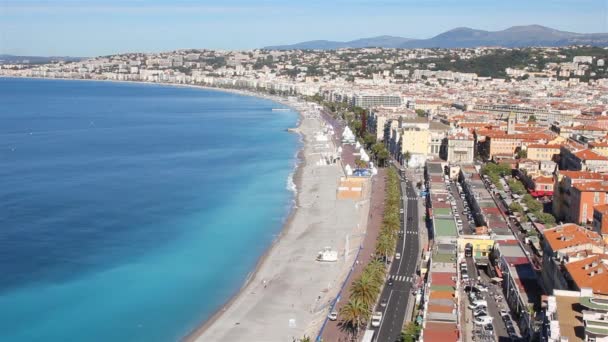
327, 255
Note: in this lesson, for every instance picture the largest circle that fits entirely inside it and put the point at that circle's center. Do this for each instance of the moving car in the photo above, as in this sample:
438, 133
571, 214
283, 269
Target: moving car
397, 256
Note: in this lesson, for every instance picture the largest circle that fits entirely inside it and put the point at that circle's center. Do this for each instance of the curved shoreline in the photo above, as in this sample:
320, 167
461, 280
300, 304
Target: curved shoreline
297, 180
288, 262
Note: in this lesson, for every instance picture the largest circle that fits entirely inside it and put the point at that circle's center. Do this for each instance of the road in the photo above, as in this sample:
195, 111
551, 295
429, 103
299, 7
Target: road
467, 228
402, 271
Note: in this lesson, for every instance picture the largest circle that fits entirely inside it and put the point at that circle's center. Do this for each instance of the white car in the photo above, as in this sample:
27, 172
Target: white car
483, 320
397, 256
333, 315
376, 319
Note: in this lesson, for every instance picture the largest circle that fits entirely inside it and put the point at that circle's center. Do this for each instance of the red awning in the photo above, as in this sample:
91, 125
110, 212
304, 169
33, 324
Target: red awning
498, 271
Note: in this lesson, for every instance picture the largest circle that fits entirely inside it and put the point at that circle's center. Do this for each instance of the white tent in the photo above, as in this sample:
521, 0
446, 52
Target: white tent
348, 170
364, 156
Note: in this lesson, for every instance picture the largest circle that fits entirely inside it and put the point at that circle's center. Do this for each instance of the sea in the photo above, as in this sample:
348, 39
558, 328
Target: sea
133, 212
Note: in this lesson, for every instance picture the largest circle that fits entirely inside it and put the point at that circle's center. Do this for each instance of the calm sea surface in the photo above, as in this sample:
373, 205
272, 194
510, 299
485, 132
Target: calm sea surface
131, 212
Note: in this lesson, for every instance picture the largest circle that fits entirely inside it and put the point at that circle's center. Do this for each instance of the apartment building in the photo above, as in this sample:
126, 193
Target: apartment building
460, 148
570, 243
370, 101
575, 316
600, 220
575, 159
583, 198
564, 182
545, 152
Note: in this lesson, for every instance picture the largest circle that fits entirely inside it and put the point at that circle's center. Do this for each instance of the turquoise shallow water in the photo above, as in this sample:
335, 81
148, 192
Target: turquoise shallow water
132, 212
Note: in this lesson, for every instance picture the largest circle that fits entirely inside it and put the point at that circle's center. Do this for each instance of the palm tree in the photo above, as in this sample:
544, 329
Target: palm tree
303, 339
377, 270
354, 314
366, 289
385, 245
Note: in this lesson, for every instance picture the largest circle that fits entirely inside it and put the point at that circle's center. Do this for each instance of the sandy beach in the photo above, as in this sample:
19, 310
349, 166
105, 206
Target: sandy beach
289, 294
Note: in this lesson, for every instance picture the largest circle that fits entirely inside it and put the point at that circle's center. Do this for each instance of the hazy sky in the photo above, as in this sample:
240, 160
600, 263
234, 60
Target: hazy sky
96, 27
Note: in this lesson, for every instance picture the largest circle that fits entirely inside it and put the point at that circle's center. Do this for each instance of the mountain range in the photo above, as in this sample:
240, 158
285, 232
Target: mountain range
464, 37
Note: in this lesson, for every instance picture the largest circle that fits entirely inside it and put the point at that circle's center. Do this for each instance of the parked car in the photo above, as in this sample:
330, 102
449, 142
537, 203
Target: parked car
483, 320
480, 313
397, 256
333, 315
478, 303
482, 288
383, 302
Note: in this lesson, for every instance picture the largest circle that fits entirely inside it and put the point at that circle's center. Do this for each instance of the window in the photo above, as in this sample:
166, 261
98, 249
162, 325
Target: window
596, 197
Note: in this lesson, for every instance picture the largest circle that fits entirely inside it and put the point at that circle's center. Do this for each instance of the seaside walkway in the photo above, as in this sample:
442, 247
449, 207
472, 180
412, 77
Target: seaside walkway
333, 330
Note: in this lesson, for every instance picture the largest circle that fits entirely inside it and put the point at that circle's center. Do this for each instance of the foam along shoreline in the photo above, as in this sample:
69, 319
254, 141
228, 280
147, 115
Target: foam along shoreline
289, 293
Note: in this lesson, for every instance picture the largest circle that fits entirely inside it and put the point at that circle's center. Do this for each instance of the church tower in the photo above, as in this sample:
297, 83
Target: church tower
511, 123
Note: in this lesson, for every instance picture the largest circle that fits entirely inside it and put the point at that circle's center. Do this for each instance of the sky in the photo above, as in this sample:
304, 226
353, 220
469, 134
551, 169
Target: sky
86, 28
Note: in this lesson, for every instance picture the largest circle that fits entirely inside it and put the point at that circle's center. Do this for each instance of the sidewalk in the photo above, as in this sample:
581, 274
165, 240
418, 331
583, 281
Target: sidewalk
333, 331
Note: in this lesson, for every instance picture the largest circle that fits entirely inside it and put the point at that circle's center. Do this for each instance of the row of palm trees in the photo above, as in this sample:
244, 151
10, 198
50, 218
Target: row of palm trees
364, 291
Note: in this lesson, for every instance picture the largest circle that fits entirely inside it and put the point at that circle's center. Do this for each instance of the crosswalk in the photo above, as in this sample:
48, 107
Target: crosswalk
408, 232
401, 278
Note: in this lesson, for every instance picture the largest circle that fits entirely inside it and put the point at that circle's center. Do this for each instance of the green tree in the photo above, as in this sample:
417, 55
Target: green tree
516, 208
385, 246
532, 204
376, 270
368, 139
382, 157
354, 314
532, 118
411, 332
407, 156
303, 339
421, 113
546, 219
365, 288
516, 187
522, 154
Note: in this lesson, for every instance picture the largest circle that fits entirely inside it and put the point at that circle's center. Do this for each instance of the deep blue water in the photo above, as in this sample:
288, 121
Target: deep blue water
131, 212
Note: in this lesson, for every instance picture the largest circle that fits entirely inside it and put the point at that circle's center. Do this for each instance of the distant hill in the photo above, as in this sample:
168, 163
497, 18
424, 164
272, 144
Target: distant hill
464, 37
380, 41
10, 59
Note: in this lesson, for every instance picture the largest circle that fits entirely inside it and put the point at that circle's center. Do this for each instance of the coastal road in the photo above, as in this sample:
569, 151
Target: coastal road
402, 272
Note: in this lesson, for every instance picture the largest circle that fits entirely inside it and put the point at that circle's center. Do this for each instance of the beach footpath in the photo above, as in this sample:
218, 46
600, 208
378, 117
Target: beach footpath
290, 293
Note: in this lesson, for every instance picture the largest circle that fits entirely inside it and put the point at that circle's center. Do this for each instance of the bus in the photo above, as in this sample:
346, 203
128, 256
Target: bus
368, 336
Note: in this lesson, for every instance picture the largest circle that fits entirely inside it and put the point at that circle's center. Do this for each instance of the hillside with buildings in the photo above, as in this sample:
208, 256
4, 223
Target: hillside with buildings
507, 149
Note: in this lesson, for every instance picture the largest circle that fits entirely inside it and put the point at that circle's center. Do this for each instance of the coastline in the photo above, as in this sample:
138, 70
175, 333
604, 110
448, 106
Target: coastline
303, 164
203, 326
274, 98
